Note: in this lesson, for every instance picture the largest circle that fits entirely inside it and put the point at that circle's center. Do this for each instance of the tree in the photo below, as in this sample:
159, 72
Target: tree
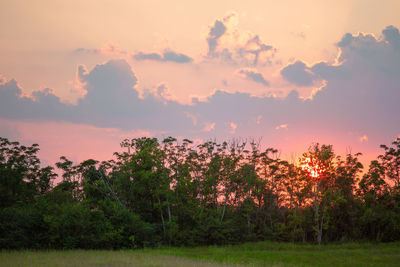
391, 162
21, 176
318, 166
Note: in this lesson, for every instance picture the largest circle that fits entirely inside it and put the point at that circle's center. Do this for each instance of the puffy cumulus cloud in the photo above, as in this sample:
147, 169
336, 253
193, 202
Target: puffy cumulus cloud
253, 75
299, 74
111, 101
230, 44
363, 87
109, 83
41, 105
166, 56
392, 35
360, 54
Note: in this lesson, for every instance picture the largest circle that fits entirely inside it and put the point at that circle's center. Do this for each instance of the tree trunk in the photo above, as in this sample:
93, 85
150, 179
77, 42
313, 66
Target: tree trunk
162, 217
316, 213
169, 213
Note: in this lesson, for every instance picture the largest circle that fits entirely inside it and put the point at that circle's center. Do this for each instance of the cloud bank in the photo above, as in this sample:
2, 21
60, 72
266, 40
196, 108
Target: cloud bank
360, 96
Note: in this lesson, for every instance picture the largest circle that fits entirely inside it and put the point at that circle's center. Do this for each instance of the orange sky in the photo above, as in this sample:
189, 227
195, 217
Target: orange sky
44, 42
38, 37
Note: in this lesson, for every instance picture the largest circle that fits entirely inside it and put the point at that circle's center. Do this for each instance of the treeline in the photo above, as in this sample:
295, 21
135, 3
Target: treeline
177, 193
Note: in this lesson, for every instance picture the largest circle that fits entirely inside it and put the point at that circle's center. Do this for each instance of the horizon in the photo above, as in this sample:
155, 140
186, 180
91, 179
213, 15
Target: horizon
78, 78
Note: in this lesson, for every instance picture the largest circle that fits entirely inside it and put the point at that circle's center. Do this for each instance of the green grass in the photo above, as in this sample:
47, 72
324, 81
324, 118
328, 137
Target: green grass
90, 258
289, 254
249, 254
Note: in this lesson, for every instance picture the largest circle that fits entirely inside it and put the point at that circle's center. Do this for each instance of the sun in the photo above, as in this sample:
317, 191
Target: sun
312, 166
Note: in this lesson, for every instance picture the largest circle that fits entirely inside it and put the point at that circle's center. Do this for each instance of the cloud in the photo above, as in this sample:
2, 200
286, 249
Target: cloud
360, 93
164, 94
112, 49
149, 56
233, 127
254, 76
232, 45
282, 126
392, 35
299, 74
167, 56
208, 127
108, 49
215, 33
40, 105
111, 101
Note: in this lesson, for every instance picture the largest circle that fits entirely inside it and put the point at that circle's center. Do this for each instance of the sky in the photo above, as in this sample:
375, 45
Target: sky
78, 77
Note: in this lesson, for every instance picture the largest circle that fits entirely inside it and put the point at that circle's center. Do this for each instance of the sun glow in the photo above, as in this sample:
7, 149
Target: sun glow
312, 167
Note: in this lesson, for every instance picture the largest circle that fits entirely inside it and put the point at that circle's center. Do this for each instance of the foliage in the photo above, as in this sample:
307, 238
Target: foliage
184, 194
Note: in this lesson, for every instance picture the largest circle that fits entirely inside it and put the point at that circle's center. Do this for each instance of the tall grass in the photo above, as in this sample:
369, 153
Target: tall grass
248, 254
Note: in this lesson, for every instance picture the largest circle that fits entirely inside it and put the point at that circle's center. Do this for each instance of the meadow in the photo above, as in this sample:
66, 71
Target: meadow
248, 254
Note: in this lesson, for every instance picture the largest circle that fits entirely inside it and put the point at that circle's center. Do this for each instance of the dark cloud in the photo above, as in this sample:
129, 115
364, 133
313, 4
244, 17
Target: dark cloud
242, 48
254, 46
167, 56
106, 49
299, 74
360, 54
85, 50
176, 57
346, 40
392, 35
41, 105
150, 56
215, 33
254, 76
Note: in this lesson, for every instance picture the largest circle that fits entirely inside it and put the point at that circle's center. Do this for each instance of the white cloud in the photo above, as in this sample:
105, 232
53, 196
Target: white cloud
282, 126
208, 127
233, 127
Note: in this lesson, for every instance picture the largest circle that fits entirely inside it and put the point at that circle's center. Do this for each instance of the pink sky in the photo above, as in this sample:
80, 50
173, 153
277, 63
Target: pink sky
78, 77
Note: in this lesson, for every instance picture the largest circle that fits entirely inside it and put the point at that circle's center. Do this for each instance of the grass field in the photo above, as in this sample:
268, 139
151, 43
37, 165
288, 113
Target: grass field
249, 254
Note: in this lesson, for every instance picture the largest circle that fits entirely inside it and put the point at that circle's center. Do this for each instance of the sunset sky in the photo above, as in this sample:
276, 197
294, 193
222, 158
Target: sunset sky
78, 77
